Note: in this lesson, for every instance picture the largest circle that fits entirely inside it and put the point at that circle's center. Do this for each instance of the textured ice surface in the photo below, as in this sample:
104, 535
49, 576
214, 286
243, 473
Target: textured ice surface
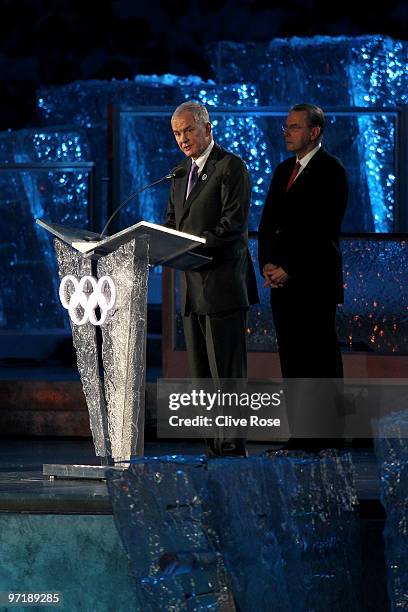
291, 523
116, 402
124, 347
373, 317
27, 259
392, 438
285, 530
375, 309
86, 103
337, 71
367, 72
392, 450
49, 144
85, 342
159, 511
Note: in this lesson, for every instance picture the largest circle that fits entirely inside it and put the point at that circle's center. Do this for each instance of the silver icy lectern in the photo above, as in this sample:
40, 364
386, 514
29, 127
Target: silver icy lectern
115, 400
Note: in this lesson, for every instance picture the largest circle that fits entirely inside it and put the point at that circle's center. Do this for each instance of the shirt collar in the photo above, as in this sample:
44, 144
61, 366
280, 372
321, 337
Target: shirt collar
200, 161
306, 159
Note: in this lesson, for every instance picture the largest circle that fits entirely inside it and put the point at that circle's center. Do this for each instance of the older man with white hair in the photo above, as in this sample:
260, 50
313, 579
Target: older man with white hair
212, 200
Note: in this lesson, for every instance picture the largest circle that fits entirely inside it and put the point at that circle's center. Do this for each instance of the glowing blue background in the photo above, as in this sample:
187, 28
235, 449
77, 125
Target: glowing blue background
340, 74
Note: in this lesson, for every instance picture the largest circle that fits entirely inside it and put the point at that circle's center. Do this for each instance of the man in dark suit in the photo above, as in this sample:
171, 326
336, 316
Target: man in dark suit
212, 201
299, 252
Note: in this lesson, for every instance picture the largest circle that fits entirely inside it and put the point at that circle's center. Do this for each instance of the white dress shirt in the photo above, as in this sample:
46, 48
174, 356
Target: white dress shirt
306, 159
200, 161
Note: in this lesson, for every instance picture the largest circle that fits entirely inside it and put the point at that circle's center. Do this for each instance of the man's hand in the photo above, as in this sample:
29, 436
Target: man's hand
275, 276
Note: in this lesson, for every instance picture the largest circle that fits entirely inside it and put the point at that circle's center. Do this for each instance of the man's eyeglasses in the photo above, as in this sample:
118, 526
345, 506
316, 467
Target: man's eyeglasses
291, 128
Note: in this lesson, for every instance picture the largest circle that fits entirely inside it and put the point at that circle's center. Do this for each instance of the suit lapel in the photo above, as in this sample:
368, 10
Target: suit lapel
310, 168
203, 179
181, 184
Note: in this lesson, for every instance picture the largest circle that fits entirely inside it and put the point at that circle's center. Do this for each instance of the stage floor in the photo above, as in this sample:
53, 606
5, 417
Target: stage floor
23, 488
25, 492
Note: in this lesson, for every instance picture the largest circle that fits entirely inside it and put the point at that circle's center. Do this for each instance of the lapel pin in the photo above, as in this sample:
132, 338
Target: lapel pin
204, 177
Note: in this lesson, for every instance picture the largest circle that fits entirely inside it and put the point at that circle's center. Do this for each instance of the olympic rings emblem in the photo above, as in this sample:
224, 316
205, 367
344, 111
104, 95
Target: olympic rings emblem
88, 294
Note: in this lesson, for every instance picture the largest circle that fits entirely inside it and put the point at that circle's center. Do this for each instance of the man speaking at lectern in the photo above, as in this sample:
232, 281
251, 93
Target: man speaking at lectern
212, 201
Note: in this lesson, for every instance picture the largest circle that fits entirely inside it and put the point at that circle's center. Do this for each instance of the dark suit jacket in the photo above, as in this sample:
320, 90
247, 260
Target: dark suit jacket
300, 228
216, 209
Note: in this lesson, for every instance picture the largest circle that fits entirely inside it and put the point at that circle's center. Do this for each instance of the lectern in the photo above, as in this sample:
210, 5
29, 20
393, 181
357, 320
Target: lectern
104, 284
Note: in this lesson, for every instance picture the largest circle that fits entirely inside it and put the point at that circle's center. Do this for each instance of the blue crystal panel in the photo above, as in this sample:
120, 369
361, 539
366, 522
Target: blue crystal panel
46, 145
174, 557
333, 71
366, 71
87, 103
148, 151
281, 532
392, 450
29, 280
376, 146
374, 316
291, 522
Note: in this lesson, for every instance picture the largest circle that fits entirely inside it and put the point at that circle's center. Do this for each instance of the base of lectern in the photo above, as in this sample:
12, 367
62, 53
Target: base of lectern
89, 472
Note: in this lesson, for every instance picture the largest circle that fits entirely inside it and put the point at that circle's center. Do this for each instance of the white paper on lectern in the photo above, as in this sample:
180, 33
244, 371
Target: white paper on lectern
84, 247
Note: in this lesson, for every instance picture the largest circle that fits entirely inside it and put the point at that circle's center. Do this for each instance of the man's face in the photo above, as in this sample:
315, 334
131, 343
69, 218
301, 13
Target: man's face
299, 137
192, 138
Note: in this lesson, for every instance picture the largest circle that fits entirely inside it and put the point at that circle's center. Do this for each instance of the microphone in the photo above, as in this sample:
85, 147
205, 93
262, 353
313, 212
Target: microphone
177, 172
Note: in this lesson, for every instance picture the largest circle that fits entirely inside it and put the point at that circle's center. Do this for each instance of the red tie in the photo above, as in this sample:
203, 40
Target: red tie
294, 174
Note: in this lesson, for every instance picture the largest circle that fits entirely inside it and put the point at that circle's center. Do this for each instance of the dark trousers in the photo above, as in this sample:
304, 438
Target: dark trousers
216, 348
216, 344
309, 352
306, 333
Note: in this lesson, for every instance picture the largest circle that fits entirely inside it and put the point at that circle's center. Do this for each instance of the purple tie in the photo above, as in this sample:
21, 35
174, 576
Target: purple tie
193, 178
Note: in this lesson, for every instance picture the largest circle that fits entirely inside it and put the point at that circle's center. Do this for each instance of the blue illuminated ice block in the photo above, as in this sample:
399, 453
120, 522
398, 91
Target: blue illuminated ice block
391, 442
335, 71
273, 534
392, 451
146, 148
44, 173
288, 530
174, 557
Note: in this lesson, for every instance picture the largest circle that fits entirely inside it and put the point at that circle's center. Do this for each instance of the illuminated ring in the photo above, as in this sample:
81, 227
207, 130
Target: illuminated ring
98, 298
63, 288
78, 298
83, 299
88, 298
